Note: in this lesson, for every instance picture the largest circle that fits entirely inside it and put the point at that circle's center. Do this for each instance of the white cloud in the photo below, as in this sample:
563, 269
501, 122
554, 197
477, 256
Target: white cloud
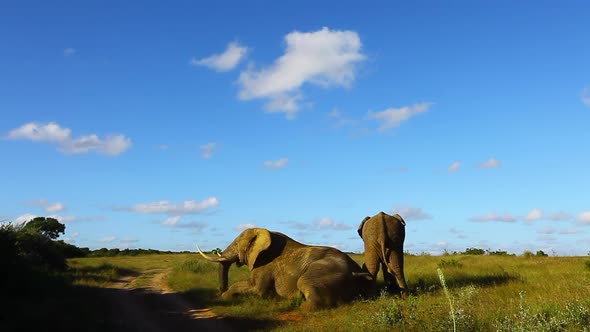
106, 239
128, 240
393, 117
560, 216
37, 132
47, 206
171, 221
111, 145
586, 96
208, 149
24, 218
284, 103
225, 61
569, 231
454, 167
276, 164
326, 222
534, 214
493, 216
55, 207
340, 246
329, 223
242, 227
54, 133
29, 216
546, 230
63, 218
165, 207
584, 218
69, 51
340, 119
175, 221
324, 57
490, 163
411, 213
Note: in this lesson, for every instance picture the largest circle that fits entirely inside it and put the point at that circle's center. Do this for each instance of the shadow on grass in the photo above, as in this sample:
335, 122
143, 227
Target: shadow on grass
101, 274
486, 280
208, 297
460, 279
82, 308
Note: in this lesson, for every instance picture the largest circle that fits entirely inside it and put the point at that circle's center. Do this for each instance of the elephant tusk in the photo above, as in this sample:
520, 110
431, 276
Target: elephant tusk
211, 259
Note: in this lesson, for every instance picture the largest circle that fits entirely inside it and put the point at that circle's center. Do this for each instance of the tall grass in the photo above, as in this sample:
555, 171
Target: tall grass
443, 283
489, 293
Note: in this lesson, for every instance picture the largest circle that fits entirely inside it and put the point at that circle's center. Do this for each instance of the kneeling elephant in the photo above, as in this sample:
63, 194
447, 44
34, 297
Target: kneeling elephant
281, 266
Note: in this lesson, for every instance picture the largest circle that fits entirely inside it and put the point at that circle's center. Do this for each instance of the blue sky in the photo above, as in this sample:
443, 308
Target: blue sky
165, 125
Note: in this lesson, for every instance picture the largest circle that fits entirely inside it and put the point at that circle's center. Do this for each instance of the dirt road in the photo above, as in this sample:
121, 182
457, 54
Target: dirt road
153, 307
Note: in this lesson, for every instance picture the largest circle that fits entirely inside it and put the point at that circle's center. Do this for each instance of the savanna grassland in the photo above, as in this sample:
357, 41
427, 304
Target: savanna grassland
483, 293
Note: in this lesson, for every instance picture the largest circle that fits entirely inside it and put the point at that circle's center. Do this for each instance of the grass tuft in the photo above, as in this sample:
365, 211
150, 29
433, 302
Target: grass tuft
196, 266
450, 263
443, 283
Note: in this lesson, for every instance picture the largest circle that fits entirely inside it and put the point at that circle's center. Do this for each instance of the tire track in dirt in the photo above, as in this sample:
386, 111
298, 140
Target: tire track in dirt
154, 307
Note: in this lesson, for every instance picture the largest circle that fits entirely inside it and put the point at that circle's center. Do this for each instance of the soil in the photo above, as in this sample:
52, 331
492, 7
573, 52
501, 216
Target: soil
156, 308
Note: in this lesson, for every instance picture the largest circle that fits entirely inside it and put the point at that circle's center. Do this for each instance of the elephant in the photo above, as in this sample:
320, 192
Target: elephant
281, 266
384, 237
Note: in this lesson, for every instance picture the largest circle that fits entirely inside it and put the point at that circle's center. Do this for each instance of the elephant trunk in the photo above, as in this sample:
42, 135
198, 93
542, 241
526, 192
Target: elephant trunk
223, 276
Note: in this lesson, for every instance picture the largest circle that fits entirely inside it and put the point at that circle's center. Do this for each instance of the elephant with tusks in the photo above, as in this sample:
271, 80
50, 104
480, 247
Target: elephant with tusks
281, 266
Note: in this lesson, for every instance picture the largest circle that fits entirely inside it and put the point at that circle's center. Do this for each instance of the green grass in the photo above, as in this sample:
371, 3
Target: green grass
488, 293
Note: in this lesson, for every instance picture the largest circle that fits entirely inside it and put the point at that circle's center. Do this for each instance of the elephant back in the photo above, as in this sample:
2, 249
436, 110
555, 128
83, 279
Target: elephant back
383, 228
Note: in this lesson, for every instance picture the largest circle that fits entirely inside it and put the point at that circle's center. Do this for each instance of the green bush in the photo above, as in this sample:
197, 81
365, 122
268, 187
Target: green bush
450, 263
474, 251
500, 253
540, 253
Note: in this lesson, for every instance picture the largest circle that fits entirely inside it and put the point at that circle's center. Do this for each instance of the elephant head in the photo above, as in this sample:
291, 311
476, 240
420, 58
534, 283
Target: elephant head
244, 250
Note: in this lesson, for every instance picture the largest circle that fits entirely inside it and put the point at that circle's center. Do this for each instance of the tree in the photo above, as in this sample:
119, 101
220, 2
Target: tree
474, 251
48, 227
541, 253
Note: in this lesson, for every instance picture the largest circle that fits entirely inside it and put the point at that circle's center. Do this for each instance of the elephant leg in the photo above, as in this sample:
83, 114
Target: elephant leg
371, 266
391, 286
321, 289
395, 266
372, 261
239, 288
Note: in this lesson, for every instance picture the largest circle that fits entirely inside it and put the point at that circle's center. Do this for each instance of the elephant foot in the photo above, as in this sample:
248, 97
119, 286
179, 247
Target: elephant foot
404, 294
310, 306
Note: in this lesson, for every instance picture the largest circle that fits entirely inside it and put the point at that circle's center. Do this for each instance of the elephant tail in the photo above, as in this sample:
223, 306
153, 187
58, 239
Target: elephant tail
362, 276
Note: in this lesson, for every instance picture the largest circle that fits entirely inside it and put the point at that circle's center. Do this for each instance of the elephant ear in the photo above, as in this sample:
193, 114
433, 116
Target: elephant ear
360, 230
401, 220
254, 241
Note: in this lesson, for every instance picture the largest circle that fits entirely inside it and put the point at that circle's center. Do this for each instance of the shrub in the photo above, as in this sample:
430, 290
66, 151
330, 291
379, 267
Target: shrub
574, 316
500, 253
540, 253
450, 263
401, 314
474, 251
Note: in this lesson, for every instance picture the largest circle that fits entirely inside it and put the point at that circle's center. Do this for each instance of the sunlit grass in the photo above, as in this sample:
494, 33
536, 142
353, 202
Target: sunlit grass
490, 293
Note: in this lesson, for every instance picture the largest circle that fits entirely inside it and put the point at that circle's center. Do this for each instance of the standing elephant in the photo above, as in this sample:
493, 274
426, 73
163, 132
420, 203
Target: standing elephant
384, 237
281, 266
